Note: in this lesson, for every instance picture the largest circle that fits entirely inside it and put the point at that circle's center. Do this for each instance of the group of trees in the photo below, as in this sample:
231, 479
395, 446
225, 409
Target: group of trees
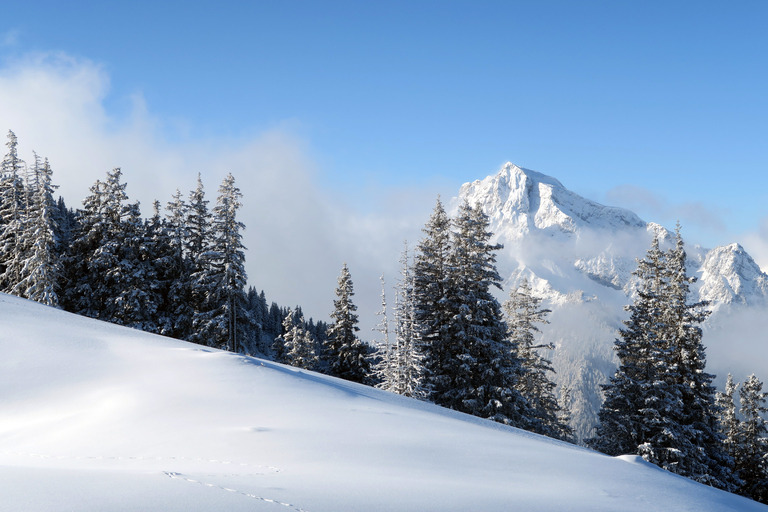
661, 404
746, 437
182, 274
452, 343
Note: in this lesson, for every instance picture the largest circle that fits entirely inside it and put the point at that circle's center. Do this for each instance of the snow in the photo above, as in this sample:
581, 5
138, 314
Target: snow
579, 256
95, 417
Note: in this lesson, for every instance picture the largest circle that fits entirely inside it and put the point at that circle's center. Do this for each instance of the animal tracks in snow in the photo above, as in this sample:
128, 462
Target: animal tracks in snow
180, 476
176, 475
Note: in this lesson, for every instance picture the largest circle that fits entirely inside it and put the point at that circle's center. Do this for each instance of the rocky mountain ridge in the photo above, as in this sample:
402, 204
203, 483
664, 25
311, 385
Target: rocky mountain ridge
579, 256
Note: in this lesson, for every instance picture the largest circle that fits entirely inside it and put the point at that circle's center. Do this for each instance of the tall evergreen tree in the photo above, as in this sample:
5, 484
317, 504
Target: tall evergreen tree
410, 372
430, 280
523, 312
400, 365
660, 403
177, 269
94, 259
478, 375
224, 318
12, 202
384, 370
346, 354
751, 453
298, 343
197, 241
40, 271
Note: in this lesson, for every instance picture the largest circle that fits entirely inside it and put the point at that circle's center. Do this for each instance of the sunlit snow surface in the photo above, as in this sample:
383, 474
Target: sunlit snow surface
95, 417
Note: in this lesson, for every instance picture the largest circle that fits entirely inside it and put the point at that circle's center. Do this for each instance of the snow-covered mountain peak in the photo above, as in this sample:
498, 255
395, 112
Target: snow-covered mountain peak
521, 201
730, 275
579, 257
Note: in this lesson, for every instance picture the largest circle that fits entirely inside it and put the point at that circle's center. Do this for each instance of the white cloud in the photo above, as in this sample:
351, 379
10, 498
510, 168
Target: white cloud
756, 244
297, 233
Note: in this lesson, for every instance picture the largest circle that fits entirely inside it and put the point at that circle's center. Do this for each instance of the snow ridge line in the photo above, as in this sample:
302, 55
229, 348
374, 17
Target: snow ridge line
139, 457
180, 476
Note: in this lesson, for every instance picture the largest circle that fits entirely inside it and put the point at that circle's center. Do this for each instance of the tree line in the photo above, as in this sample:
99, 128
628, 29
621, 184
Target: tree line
450, 341
179, 274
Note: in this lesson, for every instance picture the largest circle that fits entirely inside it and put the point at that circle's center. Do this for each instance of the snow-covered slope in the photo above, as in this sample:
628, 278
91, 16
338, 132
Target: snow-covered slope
95, 417
579, 256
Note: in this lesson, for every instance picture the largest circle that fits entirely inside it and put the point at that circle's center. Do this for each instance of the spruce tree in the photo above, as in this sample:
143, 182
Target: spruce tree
660, 403
523, 312
383, 369
228, 245
94, 259
39, 274
199, 284
728, 420
400, 366
430, 279
346, 354
478, 368
298, 343
12, 202
177, 270
751, 453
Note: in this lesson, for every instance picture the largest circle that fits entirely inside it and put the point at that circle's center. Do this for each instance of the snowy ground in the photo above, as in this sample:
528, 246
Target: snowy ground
95, 417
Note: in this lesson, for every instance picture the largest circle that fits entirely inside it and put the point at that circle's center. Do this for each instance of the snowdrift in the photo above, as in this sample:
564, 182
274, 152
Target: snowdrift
95, 417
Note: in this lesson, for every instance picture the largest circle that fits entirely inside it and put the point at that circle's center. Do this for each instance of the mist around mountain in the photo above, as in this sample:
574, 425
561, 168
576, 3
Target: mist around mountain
579, 257
98, 417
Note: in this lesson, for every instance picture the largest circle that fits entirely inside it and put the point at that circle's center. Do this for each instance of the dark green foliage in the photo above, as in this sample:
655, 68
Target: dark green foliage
660, 404
346, 355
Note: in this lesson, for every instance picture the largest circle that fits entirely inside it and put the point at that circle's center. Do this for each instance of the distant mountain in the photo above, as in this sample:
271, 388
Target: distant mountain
579, 256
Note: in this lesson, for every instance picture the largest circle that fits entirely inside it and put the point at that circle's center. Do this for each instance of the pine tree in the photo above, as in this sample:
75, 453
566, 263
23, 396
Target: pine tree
94, 259
728, 421
298, 343
660, 403
39, 272
199, 284
400, 366
345, 352
12, 201
752, 441
383, 370
430, 277
478, 375
177, 270
622, 426
523, 313
136, 296
410, 372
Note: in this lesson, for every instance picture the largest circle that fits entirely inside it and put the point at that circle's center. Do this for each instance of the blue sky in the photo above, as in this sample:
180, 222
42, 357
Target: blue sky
657, 106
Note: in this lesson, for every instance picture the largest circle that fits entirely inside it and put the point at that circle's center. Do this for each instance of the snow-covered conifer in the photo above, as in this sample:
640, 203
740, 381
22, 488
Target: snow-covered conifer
523, 314
39, 274
12, 203
221, 278
298, 342
430, 276
752, 441
660, 403
346, 354
473, 374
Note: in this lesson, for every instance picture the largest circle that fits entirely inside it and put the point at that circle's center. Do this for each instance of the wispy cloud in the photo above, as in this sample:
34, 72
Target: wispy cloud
298, 232
659, 209
756, 244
